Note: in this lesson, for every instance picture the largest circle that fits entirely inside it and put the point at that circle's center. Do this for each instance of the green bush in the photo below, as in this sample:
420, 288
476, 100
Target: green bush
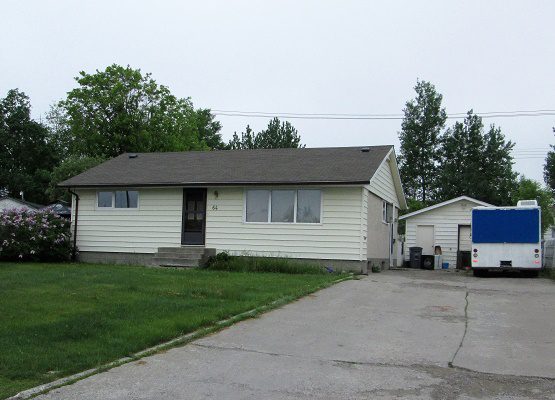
224, 262
34, 236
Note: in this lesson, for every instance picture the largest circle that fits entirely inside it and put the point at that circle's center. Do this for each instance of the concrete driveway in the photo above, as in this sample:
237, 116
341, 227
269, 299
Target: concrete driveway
388, 335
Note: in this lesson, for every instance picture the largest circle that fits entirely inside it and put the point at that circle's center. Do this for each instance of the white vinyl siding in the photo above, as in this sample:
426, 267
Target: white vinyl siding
446, 221
340, 235
337, 236
382, 183
155, 223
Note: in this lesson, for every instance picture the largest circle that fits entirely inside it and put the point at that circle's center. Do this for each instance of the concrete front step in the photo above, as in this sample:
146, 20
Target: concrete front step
178, 254
182, 256
183, 250
177, 262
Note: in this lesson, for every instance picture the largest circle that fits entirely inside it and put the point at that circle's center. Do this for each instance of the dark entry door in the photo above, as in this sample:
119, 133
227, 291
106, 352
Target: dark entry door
194, 216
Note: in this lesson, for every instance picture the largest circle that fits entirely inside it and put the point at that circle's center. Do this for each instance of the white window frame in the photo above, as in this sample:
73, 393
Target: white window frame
270, 207
113, 206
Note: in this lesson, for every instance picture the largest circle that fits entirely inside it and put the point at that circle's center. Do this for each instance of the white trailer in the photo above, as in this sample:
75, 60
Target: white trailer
507, 238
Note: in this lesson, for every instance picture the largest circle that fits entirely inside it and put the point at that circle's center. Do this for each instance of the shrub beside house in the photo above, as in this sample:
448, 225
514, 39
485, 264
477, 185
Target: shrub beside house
28, 235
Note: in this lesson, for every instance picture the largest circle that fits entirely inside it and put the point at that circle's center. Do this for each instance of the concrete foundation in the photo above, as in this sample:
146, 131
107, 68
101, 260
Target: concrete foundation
100, 257
383, 263
357, 267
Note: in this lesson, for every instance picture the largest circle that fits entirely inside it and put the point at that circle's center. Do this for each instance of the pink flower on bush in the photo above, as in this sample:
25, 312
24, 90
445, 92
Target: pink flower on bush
34, 235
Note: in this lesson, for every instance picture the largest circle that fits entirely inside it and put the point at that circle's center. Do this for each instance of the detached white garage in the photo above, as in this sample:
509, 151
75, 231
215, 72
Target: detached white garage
446, 225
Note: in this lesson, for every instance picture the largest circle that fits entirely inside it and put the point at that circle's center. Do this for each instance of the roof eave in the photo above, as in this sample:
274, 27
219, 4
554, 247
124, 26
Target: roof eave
204, 184
446, 203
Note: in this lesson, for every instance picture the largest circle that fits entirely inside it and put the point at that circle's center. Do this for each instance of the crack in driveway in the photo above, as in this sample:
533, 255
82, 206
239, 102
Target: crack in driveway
465, 330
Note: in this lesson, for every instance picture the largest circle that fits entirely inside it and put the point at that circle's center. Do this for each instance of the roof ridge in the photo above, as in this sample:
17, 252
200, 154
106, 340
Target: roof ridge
251, 150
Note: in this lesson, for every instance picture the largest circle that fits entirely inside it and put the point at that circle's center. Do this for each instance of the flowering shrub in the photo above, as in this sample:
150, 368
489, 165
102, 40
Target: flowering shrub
34, 236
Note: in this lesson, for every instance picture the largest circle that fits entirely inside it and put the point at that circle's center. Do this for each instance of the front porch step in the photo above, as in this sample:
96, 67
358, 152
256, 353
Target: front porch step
182, 256
183, 250
179, 254
177, 262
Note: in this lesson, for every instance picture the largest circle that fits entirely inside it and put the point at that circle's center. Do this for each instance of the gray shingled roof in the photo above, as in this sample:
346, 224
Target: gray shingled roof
332, 165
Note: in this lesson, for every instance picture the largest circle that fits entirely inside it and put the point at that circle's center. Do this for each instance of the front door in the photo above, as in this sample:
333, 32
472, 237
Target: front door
194, 216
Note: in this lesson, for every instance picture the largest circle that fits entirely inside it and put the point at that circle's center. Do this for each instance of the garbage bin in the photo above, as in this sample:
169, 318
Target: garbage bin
415, 257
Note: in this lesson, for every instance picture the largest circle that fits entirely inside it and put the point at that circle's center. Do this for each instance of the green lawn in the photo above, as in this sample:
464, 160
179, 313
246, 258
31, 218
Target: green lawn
59, 319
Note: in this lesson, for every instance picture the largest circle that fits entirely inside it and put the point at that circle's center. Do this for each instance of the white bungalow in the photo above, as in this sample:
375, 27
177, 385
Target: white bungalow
337, 206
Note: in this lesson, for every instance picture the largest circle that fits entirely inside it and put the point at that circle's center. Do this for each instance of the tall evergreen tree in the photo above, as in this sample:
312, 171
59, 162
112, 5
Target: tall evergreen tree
476, 164
420, 142
277, 135
461, 158
246, 142
498, 168
549, 169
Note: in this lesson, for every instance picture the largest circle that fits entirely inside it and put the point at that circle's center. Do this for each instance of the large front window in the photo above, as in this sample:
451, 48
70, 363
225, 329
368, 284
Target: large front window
258, 205
285, 206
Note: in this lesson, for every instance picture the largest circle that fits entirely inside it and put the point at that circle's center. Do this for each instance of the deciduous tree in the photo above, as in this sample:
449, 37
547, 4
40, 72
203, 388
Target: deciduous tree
26, 155
71, 166
529, 189
121, 110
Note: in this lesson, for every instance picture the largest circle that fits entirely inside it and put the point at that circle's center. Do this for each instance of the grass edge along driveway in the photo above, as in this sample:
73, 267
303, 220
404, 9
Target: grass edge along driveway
60, 319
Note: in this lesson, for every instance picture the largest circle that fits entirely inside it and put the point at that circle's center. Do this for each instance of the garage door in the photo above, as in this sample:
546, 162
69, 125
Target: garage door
425, 238
465, 241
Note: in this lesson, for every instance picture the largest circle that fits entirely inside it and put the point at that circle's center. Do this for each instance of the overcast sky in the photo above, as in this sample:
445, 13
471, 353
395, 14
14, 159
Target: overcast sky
353, 57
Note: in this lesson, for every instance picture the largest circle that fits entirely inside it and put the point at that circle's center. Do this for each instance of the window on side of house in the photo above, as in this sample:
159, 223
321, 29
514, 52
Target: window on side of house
104, 199
118, 199
387, 212
126, 199
283, 206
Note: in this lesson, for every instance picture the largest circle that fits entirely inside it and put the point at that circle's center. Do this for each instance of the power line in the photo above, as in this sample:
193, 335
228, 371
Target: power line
338, 116
373, 115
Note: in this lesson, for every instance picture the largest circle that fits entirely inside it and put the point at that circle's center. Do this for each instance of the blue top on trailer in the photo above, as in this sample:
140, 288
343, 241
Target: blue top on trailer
508, 225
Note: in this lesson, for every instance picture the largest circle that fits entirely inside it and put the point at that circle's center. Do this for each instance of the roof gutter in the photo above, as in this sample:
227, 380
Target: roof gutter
205, 184
74, 249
